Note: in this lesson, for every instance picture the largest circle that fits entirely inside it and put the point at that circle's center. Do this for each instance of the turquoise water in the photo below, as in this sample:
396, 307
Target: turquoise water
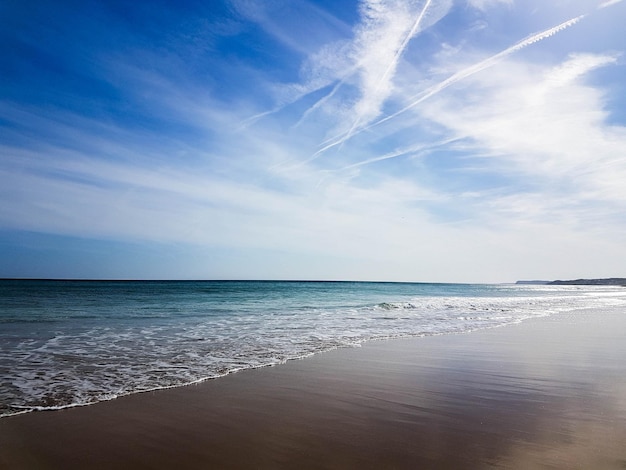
69, 343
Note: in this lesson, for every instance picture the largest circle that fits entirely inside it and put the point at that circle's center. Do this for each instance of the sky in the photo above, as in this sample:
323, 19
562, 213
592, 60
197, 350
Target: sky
397, 140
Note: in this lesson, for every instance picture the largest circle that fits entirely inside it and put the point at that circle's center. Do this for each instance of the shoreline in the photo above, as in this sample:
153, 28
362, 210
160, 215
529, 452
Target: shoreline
547, 391
306, 355
40, 409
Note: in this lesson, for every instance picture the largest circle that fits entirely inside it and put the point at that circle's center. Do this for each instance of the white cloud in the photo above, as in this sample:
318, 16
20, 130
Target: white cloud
484, 4
454, 78
545, 127
380, 41
482, 65
366, 64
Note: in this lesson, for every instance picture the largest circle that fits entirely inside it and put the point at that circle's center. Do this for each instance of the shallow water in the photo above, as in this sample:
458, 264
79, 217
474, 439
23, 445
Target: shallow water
69, 343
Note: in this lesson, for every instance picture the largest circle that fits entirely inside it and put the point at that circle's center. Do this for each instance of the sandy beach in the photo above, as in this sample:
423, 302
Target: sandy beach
547, 393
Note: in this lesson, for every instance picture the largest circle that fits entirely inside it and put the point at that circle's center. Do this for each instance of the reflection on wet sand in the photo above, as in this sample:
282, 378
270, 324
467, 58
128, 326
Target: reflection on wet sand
550, 393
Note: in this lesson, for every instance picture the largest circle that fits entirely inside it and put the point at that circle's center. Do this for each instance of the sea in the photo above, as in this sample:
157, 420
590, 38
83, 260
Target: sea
73, 343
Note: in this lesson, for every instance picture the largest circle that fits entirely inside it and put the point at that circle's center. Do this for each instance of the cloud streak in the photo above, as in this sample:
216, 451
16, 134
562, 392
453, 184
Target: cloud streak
609, 3
413, 150
480, 66
383, 83
385, 30
545, 129
457, 77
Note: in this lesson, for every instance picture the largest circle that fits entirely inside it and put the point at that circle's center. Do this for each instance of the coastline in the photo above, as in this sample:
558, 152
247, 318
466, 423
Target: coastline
549, 392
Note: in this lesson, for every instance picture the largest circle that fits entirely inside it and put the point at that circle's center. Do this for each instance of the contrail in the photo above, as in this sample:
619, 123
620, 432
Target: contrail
342, 80
480, 66
407, 38
319, 103
401, 152
608, 3
392, 64
252, 119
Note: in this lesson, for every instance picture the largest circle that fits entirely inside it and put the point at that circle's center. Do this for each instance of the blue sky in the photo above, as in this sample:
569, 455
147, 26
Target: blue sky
437, 140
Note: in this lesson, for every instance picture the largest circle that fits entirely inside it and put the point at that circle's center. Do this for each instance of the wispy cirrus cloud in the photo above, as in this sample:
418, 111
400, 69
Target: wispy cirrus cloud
547, 128
458, 76
365, 63
483, 4
385, 32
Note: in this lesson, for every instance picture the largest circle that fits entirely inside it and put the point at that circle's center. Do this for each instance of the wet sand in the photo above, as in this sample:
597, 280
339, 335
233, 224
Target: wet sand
548, 393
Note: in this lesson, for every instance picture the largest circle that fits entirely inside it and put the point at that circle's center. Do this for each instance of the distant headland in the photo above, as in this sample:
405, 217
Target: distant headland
611, 281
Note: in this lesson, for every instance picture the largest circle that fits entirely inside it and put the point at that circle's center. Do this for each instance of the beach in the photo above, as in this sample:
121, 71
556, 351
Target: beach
546, 393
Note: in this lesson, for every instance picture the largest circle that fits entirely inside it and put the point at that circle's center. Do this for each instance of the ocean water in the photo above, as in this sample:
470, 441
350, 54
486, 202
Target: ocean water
70, 343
